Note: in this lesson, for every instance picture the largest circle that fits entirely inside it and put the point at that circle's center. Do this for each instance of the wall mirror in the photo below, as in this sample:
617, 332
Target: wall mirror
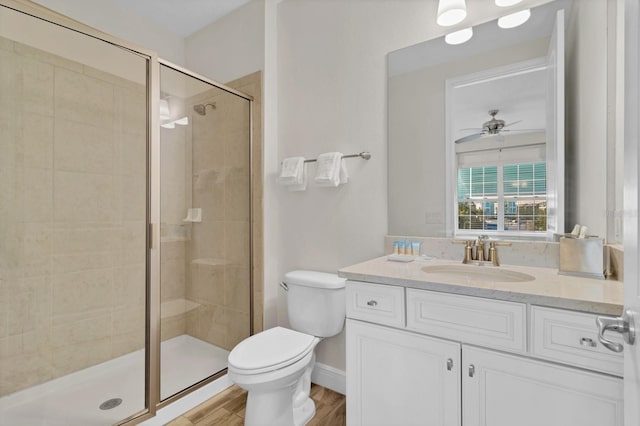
508, 180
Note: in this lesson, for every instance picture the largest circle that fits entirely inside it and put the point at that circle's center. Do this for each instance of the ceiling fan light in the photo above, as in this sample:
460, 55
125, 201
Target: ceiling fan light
451, 12
507, 3
515, 19
459, 37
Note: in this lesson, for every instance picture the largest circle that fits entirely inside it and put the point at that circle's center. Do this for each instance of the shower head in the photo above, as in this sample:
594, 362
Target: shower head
202, 108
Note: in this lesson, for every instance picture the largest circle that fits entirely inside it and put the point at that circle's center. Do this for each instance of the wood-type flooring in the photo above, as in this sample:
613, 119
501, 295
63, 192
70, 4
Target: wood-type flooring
227, 409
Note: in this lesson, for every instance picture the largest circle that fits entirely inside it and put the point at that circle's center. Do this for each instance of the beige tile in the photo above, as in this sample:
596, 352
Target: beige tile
237, 327
46, 57
129, 288
237, 243
97, 328
38, 195
236, 149
133, 154
81, 147
36, 243
6, 44
236, 288
10, 80
212, 325
133, 191
67, 359
83, 99
207, 285
83, 291
172, 279
25, 372
133, 110
63, 263
82, 197
237, 198
29, 305
128, 320
211, 198
90, 240
125, 343
172, 327
133, 243
208, 240
38, 141
37, 87
172, 250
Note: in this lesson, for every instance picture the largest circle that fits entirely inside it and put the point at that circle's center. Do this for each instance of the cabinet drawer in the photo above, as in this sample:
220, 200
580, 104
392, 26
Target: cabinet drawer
491, 323
572, 338
382, 304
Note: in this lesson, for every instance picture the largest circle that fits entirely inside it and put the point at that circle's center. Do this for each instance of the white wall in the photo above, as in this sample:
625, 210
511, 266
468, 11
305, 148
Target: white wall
231, 47
110, 18
332, 97
586, 117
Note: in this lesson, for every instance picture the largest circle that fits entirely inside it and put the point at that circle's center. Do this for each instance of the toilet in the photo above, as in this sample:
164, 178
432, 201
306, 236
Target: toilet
275, 366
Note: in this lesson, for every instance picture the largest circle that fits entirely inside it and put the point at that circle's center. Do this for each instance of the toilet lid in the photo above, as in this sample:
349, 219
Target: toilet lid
271, 349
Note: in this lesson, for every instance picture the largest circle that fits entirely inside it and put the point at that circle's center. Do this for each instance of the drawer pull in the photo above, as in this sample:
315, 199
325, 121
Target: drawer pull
372, 303
449, 364
585, 341
472, 370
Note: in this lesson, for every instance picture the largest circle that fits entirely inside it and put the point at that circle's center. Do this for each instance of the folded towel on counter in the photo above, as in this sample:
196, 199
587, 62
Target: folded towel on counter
302, 186
292, 172
328, 169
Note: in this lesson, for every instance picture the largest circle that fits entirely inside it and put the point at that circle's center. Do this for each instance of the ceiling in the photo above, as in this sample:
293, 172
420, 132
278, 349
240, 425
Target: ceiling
182, 17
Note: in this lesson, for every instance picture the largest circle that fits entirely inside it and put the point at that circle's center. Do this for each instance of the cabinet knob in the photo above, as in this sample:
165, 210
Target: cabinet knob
372, 303
449, 364
472, 370
586, 341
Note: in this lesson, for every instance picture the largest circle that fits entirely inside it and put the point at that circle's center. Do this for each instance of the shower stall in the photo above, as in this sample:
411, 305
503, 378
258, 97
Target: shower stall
125, 225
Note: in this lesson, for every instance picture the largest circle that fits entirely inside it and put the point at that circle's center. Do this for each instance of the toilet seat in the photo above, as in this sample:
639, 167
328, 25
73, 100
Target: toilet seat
270, 350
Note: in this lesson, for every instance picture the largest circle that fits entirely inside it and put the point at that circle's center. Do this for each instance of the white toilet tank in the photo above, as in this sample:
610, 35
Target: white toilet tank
316, 302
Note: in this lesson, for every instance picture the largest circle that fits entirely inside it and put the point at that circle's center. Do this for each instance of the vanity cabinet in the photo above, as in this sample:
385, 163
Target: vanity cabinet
419, 357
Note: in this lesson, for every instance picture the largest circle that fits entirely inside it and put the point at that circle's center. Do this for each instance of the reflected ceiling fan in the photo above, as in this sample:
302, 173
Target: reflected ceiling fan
495, 126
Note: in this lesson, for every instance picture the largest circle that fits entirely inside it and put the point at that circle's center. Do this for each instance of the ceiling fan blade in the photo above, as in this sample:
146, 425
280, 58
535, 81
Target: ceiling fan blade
522, 130
476, 129
511, 124
469, 138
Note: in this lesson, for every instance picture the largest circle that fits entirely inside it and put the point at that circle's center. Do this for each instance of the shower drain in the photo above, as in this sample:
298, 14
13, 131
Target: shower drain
110, 403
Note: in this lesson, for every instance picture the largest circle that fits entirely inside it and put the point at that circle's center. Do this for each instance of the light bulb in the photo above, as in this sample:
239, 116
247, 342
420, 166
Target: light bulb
451, 12
459, 37
514, 19
507, 3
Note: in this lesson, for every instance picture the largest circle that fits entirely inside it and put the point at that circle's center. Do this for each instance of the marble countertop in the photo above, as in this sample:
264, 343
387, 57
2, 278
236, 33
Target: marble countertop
548, 288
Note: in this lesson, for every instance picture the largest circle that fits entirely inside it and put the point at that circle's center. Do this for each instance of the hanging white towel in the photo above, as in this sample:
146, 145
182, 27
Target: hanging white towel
302, 186
328, 169
292, 172
344, 174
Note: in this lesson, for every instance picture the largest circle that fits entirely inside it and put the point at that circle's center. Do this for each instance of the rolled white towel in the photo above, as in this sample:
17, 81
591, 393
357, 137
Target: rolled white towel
328, 169
292, 171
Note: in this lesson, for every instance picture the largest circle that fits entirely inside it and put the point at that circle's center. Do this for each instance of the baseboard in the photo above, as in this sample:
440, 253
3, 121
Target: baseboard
330, 378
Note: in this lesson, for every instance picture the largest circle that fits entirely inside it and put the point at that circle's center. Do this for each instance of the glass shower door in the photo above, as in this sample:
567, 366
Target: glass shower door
73, 221
205, 227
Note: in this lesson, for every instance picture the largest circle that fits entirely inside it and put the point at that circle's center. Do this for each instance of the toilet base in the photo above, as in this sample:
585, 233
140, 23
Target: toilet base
303, 414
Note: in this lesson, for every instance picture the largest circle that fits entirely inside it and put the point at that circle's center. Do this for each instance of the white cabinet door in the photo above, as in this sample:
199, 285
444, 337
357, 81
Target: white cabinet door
399, 378
507, 390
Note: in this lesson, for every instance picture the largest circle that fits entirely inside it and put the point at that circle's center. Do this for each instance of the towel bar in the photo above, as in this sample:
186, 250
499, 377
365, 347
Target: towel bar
365, 155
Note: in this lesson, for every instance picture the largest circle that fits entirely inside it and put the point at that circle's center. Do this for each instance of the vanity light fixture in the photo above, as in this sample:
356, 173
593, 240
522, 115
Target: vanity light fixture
459, 37
507, 3
514, 19
451, 12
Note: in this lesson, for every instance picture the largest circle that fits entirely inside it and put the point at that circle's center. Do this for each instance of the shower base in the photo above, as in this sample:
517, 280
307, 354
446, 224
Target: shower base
75, 399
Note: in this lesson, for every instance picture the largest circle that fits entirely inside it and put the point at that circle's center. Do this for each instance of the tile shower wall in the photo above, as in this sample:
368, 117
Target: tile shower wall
218, 273
72, 216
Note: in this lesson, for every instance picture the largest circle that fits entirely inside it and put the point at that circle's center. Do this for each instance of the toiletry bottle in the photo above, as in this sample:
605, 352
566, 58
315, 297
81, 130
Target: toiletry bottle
415, 248
401, 247
396, 246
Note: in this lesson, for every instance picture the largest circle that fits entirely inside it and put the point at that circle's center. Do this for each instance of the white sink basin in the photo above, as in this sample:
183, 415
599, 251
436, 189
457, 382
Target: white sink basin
478, 273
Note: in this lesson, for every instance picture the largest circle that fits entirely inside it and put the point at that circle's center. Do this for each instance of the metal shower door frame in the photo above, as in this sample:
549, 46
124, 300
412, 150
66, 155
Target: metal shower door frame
153, 400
